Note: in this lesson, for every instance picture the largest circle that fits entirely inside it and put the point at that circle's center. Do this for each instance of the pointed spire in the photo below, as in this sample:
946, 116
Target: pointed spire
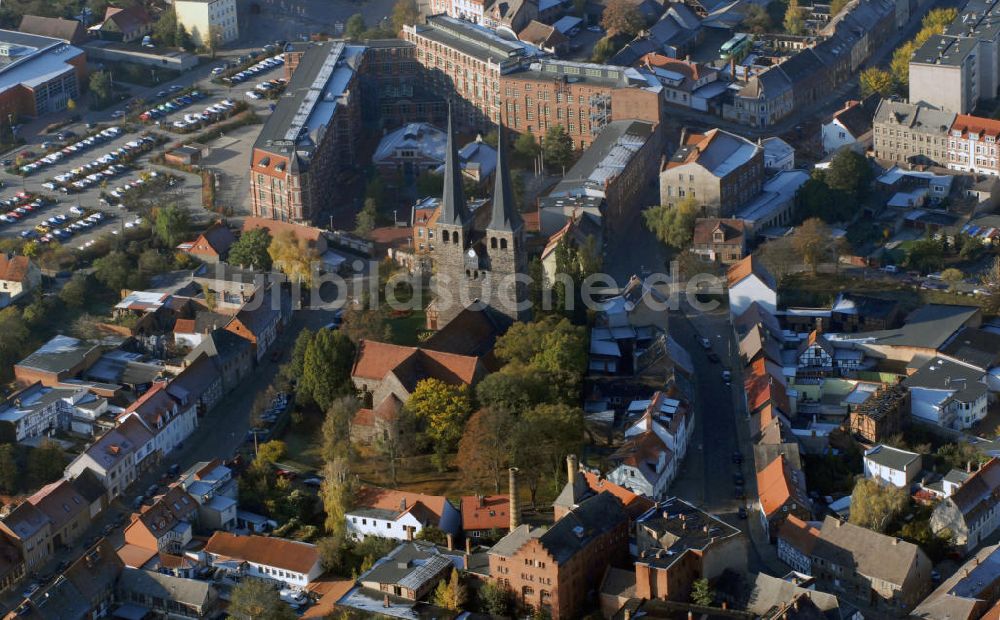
453, 209
504, 214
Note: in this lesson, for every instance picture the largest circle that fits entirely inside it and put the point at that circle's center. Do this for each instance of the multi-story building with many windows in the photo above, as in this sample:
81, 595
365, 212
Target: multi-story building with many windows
310, 137
209, 22
910, 133
972, 145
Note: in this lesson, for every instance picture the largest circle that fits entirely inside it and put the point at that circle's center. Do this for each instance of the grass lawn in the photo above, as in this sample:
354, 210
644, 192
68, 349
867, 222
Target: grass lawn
406, 329
303, 444
804, 290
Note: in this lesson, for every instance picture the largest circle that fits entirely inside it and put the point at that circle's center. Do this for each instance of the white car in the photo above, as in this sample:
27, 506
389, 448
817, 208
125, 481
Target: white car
118, 114
253, 95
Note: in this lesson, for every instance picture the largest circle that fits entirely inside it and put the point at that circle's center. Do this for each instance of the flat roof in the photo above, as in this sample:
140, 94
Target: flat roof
944, 50
58, 354
32, 59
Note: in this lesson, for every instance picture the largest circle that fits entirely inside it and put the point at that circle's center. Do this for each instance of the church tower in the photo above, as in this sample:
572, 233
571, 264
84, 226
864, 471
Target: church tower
476, 258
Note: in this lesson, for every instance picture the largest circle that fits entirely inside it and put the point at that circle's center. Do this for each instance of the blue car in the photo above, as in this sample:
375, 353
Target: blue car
27, 234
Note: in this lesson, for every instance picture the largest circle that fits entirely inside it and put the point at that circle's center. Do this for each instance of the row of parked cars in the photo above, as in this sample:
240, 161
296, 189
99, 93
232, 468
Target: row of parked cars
64, 225
118, 194
269, 87
264, 65
211, 114
165, 108
77, 147
104, 167
21, 206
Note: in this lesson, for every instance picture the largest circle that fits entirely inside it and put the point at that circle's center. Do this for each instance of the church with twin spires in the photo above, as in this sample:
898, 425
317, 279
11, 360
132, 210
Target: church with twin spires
477, 255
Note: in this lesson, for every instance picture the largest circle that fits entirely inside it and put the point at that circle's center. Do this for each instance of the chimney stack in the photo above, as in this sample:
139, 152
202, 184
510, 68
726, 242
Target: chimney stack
572, 466
451, 541
515, 501
468, 545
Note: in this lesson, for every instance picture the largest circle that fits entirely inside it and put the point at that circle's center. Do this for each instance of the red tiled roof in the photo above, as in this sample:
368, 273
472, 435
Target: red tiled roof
690, 70
399, 501
385, 410
976, 125
265, 550
308, 233
14, 268
135, 556
376, 359
747, 266
799, 534
494, 512
635, 505
704, 229
775, 485
184, 326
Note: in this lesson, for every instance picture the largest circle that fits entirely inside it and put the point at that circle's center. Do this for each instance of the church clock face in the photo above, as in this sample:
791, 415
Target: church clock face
471, 253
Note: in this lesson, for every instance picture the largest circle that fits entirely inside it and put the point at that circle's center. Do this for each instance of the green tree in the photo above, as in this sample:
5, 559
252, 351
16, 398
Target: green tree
10, 473
953, 277
354, 28
294, 256
938, 19
450, 594
113, 270
75, 292
622, 17
443, 408
925, 255
165, 29
431, 533
326, 368
337, 493
526, 146
255, 599
515, 389
794, 19
876, 81
361, 323
14, 336
100, 88
366, 219
557, 147
813, 242
182, 39
545, 435
484, 453
495, 598
171, 225
899, 66
152, 261
404, 13
336, 430
45, 463
702, 593
603, 49
250, 250
816, 199
674, 226
875, 505
757, 20
850, 172
269, 453
548, 344
836, 6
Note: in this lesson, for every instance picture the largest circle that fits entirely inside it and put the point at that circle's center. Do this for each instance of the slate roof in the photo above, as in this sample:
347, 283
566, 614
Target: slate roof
165, 587
927, 327
60, 501
410, 565
890, 457
977, 494
594, 516
977, 347
220, 345
857, 116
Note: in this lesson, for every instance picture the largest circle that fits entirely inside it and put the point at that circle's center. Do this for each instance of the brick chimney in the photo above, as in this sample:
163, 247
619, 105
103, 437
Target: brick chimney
451, 541
572, 466
515, 501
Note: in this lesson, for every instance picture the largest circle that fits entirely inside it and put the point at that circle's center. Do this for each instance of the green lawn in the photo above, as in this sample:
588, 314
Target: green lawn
406, 329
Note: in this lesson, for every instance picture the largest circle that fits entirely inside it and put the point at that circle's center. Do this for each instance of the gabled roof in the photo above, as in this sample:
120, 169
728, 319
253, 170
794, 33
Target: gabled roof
867, 552
259, 314
751, 265
471, 333
799, 534
816, 338
68, 30
778, 484
383, 412
173, 507
155, 407
26, 521
979, 491
857, 116
299, 231
704, 230
127, 19
60, 501
399, 502
375, 360
755, 314
172, 590
220, 345
643, 452
14, 268
542, 35
271, 551
764, 389
756, 342
487, 512
890, 457
215, 241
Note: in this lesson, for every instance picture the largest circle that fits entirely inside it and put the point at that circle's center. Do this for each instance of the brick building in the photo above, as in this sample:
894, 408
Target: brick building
555, 569
38, 75
720, 240
882, 415
911, 133
391, 87
310, 138
582, 97
679, 544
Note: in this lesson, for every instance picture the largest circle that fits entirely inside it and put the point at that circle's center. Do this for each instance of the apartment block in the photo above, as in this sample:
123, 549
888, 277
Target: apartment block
209, 22
945, 73
906, 133
972, 145
718, 170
